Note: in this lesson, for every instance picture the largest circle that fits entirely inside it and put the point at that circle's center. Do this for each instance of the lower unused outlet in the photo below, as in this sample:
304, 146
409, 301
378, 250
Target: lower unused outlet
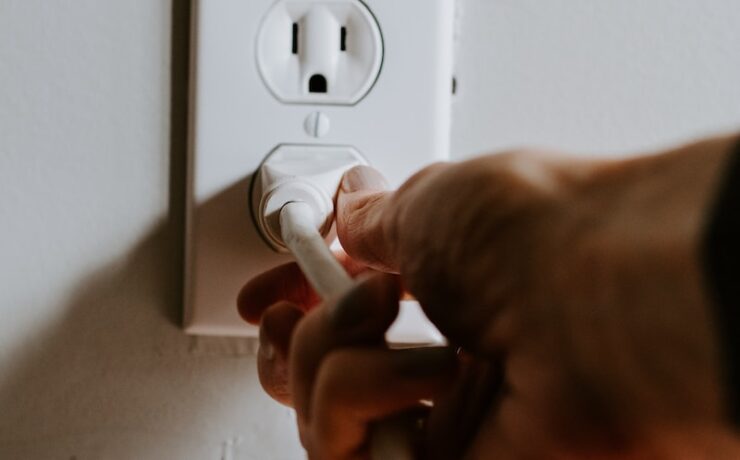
323, 52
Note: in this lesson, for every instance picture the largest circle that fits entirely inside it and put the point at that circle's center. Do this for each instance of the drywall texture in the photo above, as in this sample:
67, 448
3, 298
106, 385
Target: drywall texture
92, 363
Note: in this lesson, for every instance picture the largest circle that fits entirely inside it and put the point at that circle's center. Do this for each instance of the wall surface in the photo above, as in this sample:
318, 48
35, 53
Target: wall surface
92, 144
595, 77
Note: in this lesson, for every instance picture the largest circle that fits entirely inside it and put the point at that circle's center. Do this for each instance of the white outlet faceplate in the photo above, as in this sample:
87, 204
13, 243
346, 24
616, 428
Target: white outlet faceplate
401, 124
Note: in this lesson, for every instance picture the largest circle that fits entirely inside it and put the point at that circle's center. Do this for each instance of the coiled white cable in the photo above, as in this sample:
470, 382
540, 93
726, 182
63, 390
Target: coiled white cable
300, 234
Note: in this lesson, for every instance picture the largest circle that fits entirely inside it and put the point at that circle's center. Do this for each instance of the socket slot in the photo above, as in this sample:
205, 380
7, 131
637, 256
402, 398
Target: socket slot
294, 44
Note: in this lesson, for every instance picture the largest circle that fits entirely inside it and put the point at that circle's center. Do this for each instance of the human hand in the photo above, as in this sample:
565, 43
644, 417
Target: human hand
572, 286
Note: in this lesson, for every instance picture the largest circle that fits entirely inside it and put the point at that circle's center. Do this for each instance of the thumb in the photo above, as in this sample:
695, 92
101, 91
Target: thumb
362, 213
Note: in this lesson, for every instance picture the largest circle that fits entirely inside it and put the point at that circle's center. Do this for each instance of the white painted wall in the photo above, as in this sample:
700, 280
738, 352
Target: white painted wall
92, 363
596, 76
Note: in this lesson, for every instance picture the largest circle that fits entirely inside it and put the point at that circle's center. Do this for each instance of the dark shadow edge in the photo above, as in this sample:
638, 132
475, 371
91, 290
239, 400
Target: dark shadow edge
181, 15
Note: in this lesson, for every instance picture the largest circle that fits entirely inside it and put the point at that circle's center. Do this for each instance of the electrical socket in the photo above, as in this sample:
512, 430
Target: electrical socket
398, 123
320, 52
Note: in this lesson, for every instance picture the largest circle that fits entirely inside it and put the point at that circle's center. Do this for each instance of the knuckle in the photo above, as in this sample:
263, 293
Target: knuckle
529, 170
422, 175
356, 220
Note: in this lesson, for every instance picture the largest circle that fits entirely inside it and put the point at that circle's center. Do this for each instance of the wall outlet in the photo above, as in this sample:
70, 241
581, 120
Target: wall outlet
387, 97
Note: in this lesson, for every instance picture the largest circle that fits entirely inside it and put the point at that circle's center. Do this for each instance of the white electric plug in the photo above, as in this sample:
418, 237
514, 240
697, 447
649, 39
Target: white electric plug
305, 173
293, 205
322, 52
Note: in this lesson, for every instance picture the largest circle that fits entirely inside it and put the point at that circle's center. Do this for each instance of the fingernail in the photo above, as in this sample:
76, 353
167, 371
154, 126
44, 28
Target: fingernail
363, 178
426, 362
267, 351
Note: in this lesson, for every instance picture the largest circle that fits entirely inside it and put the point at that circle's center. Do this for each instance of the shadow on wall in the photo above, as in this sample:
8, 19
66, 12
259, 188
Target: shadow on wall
116, 377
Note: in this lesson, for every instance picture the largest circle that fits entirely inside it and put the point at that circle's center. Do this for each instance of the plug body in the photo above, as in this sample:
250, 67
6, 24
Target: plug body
305, 173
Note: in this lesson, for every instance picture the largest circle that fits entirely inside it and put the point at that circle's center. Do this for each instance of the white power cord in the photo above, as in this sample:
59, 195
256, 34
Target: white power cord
300, 235
299, 229
294, 209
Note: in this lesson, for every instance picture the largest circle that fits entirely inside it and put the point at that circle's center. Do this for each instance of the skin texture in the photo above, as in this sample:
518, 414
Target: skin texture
570, 290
